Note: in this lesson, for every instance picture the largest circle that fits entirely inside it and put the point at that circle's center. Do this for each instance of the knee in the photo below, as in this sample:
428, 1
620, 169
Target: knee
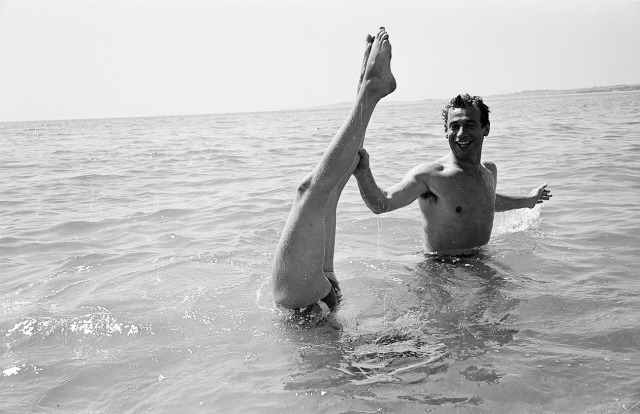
304, 185
312, 188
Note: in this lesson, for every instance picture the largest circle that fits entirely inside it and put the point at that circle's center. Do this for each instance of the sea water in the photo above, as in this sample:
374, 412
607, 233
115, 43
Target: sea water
135, 260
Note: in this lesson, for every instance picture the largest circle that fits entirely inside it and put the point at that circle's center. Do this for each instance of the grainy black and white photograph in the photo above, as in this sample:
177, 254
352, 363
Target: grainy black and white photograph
347, 207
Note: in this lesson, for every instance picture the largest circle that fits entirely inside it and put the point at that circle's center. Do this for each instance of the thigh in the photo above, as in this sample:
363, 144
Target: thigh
298, 274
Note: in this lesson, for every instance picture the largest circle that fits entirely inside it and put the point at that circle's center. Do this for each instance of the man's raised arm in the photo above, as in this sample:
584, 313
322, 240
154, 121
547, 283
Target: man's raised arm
394, 197
536, 196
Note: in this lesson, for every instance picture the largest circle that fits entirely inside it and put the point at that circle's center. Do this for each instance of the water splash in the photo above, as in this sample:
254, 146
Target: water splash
516, 221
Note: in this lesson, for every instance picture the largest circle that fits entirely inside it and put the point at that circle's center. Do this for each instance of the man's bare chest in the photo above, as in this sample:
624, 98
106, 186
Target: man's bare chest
462, 195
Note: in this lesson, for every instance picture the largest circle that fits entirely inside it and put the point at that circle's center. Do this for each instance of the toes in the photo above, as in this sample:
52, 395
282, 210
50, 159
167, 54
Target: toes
382, 35
369, 39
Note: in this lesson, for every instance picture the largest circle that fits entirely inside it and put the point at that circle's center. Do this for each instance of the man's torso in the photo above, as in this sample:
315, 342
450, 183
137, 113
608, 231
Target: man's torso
459, 207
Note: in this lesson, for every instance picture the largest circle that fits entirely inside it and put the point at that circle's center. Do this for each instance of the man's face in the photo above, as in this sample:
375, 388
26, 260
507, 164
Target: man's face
465, 132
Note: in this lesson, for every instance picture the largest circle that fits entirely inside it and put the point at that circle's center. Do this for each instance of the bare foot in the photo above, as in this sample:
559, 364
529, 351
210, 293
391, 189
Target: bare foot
377, 77
367, 51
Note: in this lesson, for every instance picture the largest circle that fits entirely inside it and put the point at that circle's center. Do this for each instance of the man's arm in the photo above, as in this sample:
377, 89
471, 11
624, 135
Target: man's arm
536, 196
399, 195
506, 203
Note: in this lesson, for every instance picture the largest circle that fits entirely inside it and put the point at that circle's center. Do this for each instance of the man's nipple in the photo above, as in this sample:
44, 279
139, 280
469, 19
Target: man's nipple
458, 209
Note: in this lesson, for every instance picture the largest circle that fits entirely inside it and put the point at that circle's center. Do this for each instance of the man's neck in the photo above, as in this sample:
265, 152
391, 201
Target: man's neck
472, 164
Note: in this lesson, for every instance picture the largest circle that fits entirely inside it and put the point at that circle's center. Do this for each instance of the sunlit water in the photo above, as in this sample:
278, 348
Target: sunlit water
135, 259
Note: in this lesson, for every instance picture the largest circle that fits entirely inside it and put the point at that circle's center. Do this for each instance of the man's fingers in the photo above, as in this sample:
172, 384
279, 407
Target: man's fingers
541, 199
543, 193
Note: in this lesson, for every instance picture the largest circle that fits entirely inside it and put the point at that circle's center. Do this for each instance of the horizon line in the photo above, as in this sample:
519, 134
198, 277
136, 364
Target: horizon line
546, 92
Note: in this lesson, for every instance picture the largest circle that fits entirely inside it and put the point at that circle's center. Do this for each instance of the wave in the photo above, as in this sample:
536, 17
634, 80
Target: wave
97, 323
97, 177
74, 228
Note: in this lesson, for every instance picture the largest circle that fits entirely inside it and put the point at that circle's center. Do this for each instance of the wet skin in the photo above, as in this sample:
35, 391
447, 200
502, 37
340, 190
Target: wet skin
303, 262
458, 207
456, 193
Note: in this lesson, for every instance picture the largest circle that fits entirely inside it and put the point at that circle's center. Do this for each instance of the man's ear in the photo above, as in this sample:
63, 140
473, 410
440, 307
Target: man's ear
487, 128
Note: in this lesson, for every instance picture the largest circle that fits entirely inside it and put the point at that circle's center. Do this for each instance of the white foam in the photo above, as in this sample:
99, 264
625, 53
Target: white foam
515, 221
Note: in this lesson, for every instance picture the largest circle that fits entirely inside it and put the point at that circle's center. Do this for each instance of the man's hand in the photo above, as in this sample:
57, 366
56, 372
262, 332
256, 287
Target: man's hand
363, 163
538, 195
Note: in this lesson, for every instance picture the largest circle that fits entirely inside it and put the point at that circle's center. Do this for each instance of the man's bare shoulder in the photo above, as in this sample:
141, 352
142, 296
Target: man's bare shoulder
428, 169
491, 167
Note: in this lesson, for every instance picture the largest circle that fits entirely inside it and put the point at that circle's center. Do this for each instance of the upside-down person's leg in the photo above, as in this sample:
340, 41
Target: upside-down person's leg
332, 202
330, 226
298, 270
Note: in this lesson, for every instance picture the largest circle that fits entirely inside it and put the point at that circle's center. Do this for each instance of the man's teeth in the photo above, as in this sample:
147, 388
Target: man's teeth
464, 144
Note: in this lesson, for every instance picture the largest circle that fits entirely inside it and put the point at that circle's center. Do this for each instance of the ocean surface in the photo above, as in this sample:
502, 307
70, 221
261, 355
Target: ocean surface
135, 260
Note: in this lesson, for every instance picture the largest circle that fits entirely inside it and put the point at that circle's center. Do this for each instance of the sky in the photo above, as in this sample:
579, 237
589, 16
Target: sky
71, 59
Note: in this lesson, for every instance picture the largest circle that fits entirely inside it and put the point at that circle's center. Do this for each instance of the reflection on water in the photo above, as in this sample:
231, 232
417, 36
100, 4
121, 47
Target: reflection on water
466, 303
446, 310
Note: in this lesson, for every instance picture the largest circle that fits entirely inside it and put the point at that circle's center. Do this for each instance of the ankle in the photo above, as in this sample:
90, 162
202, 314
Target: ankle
371, 89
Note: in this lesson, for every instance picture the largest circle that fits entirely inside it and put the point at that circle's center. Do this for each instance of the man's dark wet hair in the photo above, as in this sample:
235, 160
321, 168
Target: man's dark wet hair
465, 101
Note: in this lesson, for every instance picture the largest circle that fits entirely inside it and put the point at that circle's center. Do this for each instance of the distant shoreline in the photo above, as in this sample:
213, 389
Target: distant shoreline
536, 92
348, 104
595, 89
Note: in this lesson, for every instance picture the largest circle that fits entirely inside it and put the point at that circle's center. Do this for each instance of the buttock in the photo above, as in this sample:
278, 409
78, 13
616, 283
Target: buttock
329, 302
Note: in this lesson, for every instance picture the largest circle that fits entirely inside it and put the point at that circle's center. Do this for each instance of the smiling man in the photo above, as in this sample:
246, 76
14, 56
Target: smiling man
457, 193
